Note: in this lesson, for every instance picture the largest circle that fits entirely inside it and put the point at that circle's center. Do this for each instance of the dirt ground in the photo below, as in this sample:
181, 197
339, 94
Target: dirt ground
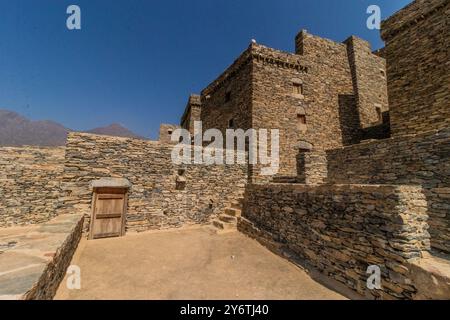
188, 264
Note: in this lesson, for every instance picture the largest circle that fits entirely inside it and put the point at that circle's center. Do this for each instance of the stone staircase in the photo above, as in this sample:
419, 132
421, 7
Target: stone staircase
227, 221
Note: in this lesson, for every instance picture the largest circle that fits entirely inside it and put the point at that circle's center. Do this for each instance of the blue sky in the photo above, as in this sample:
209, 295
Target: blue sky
136, 61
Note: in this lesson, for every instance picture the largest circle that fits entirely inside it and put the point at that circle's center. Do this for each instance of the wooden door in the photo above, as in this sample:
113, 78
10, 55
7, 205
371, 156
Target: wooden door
108, 217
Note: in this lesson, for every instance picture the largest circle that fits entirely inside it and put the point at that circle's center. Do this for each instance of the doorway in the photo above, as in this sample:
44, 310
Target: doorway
109, 207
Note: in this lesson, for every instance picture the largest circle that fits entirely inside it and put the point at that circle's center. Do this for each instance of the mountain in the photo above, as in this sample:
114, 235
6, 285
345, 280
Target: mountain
16, 130
116, 130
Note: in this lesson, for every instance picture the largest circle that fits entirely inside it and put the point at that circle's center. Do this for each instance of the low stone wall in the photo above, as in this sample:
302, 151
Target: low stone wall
342, 229
34, 259
46, 287
408, 160
163, 195
29, 184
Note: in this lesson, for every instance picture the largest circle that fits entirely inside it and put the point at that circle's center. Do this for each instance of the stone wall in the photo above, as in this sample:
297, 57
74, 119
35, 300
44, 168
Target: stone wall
165, 132
192, 113
417, 53
347, 86
163, 194
369, 82
229, 97
422, 159
342, 229
29, 184
312, 167
276, 104
71, 229
315, 96
378, 131
321, 113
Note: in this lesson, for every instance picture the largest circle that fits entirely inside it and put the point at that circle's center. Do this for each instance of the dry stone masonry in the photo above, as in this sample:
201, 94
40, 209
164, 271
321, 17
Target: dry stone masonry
417, 53
422, 159
163, 195
267, 88
30, 181
321, 221
34, 258
342, 229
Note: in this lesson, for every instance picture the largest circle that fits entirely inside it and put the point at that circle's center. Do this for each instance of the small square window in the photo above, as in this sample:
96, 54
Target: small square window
301, 118
297, 88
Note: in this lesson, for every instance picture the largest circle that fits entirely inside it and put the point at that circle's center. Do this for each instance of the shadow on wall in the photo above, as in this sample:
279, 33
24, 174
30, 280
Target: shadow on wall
421, 160
350, 123
349, 119
342, 229
378, 131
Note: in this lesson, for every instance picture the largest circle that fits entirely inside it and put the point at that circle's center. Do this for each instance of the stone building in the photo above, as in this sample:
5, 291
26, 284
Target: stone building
325, 95
166, 131
418, 55
337, 217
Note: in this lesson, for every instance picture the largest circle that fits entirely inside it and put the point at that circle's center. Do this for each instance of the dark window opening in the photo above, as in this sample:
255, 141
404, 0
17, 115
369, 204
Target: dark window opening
298, 88
231, 124
180, 183
301, 118
228, 96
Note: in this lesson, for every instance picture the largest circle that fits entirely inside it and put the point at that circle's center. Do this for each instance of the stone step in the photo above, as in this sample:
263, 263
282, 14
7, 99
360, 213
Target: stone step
233, 212
236, 205
223, 225
227, 218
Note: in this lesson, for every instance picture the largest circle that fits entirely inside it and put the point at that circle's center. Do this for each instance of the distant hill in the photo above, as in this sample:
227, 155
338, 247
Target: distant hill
16, 130
116, 130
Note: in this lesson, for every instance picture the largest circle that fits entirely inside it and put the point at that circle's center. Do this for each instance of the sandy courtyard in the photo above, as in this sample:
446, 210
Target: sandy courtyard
187, 264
